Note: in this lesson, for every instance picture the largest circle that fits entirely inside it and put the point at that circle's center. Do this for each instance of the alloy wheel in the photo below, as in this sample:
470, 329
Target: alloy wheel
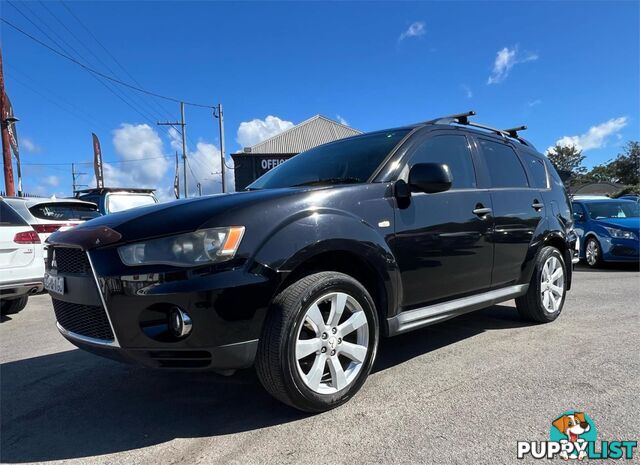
591, 252
332, 343
552, 284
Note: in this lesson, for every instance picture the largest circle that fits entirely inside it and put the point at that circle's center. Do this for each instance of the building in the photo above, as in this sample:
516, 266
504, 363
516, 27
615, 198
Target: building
254, 161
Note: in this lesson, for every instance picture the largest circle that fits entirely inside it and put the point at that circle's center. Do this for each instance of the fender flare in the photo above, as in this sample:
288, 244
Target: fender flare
312, 232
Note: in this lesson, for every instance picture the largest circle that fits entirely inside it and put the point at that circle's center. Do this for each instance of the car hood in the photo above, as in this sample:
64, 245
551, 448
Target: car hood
167, 218
631, 224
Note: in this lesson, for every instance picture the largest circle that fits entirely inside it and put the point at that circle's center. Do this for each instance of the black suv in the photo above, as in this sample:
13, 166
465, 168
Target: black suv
369, 236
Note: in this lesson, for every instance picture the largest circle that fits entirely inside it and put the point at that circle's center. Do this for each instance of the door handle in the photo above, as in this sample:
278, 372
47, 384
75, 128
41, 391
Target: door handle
482, 211
537, 205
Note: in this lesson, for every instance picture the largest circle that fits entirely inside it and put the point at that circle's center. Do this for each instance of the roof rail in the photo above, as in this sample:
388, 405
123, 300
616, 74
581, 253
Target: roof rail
463, 119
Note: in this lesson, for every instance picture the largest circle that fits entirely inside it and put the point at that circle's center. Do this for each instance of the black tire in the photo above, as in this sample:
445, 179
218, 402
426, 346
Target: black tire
276, 362
12, 306
592, 241
530, 306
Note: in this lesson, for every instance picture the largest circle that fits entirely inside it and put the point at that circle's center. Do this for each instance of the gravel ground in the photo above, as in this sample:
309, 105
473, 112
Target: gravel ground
463, 391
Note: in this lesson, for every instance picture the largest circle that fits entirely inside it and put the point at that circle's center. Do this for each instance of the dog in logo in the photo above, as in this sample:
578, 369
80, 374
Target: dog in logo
572, 426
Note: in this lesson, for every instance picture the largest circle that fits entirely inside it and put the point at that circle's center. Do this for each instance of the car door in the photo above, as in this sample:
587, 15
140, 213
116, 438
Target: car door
441, 240
517, 209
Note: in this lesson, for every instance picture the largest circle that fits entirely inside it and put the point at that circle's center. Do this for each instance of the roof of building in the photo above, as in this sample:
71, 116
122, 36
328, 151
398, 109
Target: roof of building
315, 131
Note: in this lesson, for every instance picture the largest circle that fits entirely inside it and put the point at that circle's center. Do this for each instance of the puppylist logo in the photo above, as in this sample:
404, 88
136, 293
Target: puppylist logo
573, 435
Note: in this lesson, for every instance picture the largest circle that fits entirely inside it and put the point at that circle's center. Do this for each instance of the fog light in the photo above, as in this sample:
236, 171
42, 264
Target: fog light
179, 322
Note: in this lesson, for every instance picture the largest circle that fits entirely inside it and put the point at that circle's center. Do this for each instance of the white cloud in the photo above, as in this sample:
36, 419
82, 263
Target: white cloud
144, 163
52, 181
506, 59
533, 103
257, 130
467, 90
595, 137
416, 29
341, 120
28, 145
206, 164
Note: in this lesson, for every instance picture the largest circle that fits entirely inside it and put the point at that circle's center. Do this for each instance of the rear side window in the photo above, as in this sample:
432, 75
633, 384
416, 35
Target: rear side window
505, 169
453, 150
537, 170
9, 217
61, 211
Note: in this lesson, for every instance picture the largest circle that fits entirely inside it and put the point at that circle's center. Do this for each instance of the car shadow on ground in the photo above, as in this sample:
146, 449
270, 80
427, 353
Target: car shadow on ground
615, 267
73, 405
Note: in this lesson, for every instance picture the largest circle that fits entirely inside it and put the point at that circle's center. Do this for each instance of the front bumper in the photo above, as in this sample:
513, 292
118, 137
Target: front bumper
108, 311
620, 250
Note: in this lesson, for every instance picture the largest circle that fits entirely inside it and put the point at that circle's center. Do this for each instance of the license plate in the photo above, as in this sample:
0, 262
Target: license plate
54, 283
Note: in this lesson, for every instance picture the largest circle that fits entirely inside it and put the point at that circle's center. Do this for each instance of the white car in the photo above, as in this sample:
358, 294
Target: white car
21, 261
47, 215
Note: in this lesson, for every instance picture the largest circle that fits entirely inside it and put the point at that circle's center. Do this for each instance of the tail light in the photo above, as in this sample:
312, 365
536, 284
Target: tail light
27, 237
49, 228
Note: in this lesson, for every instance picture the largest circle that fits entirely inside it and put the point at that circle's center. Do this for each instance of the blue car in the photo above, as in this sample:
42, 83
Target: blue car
608, 230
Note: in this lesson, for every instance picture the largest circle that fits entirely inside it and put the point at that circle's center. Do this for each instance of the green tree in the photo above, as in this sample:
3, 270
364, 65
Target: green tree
624, 169
567, 158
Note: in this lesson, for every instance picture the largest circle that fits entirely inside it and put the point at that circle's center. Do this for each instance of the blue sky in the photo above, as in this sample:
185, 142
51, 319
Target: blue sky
568, 70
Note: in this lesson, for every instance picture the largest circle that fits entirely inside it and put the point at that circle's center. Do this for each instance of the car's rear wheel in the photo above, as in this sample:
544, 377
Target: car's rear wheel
593, 253
11, 306
545, 297
319, 342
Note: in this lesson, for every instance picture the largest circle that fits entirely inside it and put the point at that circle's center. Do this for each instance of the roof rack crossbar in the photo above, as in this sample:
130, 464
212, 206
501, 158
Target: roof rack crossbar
460, 118
513, 132
463, 119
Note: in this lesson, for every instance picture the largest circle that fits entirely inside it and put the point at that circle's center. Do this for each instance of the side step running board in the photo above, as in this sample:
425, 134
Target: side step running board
424, 316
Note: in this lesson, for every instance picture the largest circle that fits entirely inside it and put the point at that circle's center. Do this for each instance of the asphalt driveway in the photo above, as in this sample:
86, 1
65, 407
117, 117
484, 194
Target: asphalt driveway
463, 391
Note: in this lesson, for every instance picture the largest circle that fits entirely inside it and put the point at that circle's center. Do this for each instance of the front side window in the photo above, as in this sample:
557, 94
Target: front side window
505, 169
452, 150
348, 161
63, 211
604, 210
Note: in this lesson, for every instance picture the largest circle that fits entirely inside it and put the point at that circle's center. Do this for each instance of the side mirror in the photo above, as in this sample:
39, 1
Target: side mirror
430, 177
578, 217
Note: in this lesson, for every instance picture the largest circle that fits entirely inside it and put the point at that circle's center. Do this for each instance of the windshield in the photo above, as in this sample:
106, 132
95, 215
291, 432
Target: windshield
600, 211
121, 202
351, 160
63, 211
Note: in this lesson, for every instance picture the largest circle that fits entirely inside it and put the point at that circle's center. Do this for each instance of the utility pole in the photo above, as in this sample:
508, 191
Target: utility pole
183, 130
6, 145
184, 148
74, 178
219, 113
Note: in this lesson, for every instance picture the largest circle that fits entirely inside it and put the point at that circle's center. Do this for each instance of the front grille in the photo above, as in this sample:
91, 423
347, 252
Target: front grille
85, 320
69, 260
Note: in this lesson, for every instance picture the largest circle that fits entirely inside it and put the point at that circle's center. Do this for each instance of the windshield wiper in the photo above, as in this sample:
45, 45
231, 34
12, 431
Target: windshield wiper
345, 180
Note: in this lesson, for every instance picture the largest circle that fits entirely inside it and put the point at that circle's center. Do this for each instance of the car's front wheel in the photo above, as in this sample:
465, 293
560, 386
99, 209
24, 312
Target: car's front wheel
593, 252
319, 342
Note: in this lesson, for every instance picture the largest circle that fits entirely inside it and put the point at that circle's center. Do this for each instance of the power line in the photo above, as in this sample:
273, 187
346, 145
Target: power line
113, 91
98, 73
113, 57
115, 162
86, 47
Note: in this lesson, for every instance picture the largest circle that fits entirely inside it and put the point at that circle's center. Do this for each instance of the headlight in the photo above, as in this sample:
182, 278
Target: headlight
196, 248
620, 233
